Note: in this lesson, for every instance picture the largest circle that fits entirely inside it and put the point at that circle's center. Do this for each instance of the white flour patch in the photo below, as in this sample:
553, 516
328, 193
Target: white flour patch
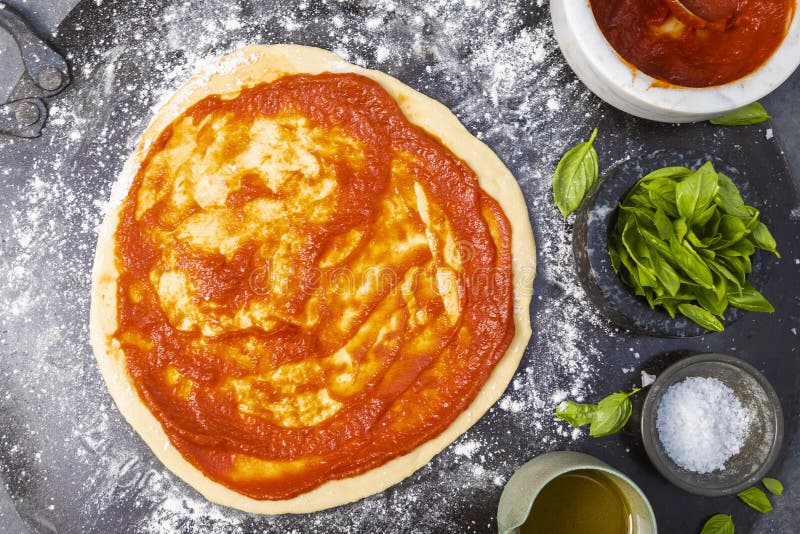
500, 71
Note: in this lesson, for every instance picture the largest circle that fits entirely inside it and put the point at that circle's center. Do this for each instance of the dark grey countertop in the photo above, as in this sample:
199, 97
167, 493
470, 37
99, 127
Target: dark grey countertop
46, 14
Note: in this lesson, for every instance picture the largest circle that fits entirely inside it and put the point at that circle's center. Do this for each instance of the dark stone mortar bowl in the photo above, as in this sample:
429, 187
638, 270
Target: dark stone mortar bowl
598, 215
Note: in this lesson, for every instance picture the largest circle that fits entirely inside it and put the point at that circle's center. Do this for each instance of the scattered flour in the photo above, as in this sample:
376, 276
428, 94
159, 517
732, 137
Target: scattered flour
496, 66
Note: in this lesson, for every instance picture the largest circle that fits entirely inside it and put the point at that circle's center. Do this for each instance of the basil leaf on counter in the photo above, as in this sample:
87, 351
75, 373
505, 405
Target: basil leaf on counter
718, 524
612, 414
750, 299
575, 413
750, 114
756, 499
575, 174
773, 485
604, 418
701, 316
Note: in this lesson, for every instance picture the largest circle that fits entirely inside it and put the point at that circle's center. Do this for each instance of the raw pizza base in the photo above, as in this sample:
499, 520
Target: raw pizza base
257, 64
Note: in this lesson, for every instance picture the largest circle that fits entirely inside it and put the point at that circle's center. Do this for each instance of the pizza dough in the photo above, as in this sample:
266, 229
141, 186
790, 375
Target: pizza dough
247, 67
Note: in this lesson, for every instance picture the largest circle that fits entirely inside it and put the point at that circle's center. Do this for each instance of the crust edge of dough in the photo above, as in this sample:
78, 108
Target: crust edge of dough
244, 67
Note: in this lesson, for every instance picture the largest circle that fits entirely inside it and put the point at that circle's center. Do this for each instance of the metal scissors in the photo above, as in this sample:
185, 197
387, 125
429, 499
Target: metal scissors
46, 74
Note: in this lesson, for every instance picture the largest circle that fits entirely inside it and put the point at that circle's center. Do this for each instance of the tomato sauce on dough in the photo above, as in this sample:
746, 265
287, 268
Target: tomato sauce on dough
309, 286
660, 39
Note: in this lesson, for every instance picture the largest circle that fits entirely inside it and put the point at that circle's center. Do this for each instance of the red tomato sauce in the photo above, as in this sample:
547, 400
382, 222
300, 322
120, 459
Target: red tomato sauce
663, 42
413, 398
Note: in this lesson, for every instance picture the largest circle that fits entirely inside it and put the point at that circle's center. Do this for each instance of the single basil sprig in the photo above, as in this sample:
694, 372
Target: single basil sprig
683, 241
750, 114
756, 499
604, 418
773, 485
718, 524
575, 174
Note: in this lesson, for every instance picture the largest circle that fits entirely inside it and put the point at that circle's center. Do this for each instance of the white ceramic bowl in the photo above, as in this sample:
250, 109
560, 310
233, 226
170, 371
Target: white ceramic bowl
599, 67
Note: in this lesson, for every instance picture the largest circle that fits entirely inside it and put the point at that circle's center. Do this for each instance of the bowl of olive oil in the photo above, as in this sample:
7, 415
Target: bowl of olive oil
571, 492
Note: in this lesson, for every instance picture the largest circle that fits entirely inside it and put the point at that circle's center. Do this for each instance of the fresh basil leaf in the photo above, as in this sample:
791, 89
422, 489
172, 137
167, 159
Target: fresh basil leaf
711, 301
762, 238
773, 485
700, 316
680, 228
663, 225
672, 173
612, 414
756, 499
732, 230
706, 253
743, 247
662, 195
718, 524
694, 193
692, 264
751, 220
666, 274
728, 197
575, 414
631, 239
575, 174
724, 272
750, 114
750, 299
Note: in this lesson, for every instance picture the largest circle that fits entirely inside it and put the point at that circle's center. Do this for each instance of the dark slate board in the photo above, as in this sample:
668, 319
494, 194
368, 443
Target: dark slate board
59, 430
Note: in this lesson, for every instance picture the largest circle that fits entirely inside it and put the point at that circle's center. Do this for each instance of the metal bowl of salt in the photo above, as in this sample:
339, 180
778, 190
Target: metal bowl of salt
711, 467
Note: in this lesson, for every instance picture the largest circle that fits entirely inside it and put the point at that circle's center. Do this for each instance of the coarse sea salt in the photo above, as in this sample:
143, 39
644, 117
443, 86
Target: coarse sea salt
702, 424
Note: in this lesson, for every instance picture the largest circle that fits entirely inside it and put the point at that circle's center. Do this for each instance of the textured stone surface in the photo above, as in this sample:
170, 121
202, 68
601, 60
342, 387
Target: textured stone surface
782, 104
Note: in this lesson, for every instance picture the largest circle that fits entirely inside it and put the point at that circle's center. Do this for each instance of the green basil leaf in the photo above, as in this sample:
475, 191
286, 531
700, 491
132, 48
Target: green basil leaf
706, 253
718, 524
743, 247
773, 485
575, 174
695, 192
666, 274
663, 225
734, 266
612, 414
662, 195
751, 220
755, 498
680, 227
574, 413
750, 299
671, 173
732, 230
700, 316
724, 272
691, 263
728, 197
762, 238
750, 114
712, 301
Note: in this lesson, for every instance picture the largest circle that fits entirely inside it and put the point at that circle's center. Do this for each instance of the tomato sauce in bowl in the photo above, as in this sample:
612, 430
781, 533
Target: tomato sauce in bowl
691, 53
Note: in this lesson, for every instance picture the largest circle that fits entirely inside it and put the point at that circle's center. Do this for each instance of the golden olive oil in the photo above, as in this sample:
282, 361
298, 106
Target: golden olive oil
579, 502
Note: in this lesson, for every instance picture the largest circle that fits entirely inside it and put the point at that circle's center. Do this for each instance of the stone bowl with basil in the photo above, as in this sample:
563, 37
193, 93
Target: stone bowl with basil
667, 245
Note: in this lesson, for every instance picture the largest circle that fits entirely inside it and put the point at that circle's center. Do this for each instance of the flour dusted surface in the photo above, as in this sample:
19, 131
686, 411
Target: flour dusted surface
495, 65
